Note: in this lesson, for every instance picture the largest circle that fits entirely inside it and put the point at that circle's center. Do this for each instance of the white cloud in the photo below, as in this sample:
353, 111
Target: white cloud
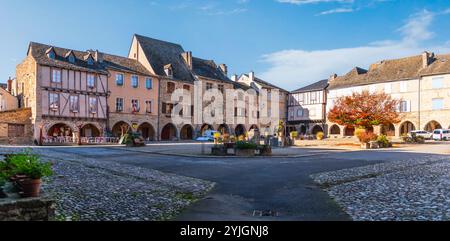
295, 68
337, 10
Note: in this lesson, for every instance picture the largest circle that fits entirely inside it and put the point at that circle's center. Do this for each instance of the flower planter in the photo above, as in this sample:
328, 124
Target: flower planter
30, 188
218, 151
374, 145
245, 152
265, 151
365, 145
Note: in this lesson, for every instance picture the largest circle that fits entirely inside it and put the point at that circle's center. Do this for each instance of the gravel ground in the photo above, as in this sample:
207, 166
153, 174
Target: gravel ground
86, 189
416, 189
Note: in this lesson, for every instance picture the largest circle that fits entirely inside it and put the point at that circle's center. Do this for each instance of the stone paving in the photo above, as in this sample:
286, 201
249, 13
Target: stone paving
415, 189
86, 189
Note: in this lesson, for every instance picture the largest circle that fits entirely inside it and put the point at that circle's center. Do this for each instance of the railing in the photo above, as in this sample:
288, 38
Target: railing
68, 140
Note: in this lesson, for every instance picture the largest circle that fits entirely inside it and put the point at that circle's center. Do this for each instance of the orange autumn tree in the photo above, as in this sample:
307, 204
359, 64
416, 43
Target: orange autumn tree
365, 110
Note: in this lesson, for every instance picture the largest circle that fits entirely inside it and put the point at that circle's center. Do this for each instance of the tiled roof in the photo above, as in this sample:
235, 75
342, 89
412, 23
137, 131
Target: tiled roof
393, 70
124, 64
268, 85
320, 85
160, 53
208, 69
39, 53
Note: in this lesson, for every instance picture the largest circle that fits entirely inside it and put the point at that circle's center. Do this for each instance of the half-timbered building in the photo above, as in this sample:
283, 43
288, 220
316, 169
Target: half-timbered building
67, 92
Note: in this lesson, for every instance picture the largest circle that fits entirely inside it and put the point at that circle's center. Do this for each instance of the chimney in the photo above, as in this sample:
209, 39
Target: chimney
98, 56
332, 78
251, 75
187, 56
9, 82
234, 77
224, 68
427, 59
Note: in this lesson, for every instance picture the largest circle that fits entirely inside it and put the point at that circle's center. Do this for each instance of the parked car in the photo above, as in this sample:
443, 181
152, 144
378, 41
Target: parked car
425, 134
441, 135
207, 136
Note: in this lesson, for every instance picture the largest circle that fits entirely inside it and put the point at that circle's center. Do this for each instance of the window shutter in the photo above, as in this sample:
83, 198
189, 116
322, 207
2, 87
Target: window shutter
408, 108
163, 108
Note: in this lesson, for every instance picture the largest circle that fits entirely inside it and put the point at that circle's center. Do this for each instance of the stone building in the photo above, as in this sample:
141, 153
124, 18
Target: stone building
16, 127
66, 91
8, 101
422, 83
165, 59
251, 81
307, 109
133, 97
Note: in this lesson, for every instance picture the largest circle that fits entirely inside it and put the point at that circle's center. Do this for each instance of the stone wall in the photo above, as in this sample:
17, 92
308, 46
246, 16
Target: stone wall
9, 120
28, 209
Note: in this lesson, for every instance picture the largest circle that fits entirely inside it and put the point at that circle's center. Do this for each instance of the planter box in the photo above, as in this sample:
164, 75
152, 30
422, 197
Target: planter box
219, 151
245, 152
374, 145
265, 151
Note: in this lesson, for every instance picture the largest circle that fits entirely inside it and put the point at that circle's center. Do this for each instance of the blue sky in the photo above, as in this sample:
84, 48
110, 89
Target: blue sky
287, 42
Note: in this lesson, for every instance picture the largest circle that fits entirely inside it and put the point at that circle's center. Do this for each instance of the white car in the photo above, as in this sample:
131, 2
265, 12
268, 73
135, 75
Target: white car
441, 135
425, 134
207, 136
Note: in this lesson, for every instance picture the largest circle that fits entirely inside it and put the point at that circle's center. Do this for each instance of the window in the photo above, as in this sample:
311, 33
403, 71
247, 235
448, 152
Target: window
134, 81
438, 83
301, 98
300, 113
73, 102
403, 86
209, 86
240, 112
54, 101
90, 61
187, 87
313, 97
71, 58
149, 84
291, 114
90, 81
438, 104
221, 88
92, 105
51, 55
119, 104
240, 96
269, 112
387, 88
404, 106
56, 76
169, 108
269, 95
148, 106
135, 105
119, 79
170, 87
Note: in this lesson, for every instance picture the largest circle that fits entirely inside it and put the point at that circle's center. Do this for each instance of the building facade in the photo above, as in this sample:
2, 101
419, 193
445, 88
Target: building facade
307, 109
265, 126
66, 91
421, 83
133, 97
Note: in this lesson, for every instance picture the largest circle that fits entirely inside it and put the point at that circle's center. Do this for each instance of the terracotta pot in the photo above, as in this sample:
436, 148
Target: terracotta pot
31, 187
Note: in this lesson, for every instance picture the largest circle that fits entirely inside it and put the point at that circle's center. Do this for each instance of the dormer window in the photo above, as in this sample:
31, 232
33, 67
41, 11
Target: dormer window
51, 53
70, 57
89, 59
168, 70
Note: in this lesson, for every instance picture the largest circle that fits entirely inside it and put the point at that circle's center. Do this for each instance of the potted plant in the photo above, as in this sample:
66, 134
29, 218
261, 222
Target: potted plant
368, 140
383, 141
29, 170
320, 135
244, 148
